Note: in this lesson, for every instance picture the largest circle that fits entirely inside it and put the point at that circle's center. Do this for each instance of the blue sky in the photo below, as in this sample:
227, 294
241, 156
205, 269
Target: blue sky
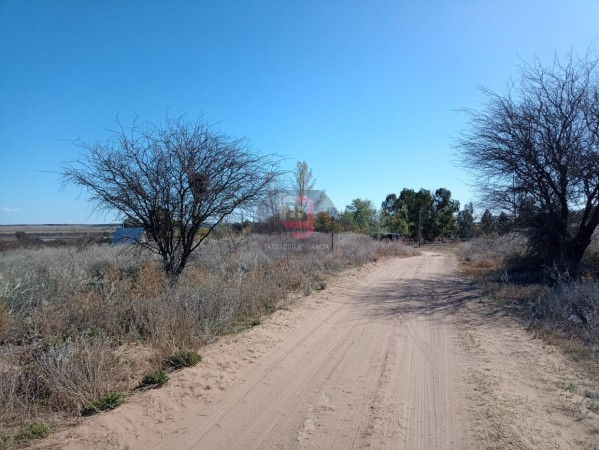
365, 91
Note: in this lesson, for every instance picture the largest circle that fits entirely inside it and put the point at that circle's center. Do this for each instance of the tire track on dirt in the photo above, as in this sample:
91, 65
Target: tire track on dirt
393, 356
354, 415
430, 380
369, 362
328, 365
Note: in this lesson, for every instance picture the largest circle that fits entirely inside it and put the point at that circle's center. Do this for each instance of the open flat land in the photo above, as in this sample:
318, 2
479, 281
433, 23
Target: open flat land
401, 354
52, 232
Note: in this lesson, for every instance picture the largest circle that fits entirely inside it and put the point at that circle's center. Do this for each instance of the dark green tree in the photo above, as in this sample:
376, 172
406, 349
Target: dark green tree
488, 222
465, 227
445, 209
504, 223
420, 213
393, 215
417, 208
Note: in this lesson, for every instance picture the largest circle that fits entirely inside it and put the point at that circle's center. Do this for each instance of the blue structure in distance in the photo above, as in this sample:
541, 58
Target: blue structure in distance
127, 236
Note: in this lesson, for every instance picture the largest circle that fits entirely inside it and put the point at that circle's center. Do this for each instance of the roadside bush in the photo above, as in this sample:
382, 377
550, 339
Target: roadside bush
492, 255
157, 378
544, 296
32, 431
59, 377
570, 307
105, 403
181, 359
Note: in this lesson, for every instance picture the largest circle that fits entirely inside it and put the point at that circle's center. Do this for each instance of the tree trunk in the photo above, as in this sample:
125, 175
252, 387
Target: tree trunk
578, 244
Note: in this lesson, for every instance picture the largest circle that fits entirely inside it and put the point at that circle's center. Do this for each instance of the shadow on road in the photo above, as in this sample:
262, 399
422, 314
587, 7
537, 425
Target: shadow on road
443, 296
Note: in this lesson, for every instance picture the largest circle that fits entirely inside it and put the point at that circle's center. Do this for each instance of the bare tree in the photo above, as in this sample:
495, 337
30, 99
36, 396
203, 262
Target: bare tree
172, 179
535, 150
269, 210
307, 198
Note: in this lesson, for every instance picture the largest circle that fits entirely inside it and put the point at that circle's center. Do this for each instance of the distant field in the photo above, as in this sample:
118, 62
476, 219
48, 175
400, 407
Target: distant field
52, 232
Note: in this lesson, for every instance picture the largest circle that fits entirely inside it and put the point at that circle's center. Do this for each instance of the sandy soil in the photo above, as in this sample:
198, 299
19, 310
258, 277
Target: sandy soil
398, 354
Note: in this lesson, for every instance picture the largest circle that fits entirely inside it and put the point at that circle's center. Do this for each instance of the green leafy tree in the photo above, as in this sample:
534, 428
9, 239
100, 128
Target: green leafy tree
363, 215
417, 211
445, 209
393, 215
420, 213
346, 220
424, 214
323, 222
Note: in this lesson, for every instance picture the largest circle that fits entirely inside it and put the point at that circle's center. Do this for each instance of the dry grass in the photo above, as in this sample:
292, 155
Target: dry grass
489, 257
69, 317
5, 323
572, 308
564, 311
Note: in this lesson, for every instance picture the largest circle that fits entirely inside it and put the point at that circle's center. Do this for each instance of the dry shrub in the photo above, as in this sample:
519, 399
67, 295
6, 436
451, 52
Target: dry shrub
14, 408
134, 359
491, 256
69, 305
194, 275
5, 323
84, 308
76, 372
396, 249
558, 307
150, 281
571, 307
517, 294
47, 323
60, 378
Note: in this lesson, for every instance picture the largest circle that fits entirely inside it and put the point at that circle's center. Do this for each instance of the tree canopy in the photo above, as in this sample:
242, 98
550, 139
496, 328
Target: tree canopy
420, 213
465, 227
360, 215
534, 150
172, 179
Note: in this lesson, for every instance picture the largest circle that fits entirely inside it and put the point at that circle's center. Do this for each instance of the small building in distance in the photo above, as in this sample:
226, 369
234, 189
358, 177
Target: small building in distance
123, 236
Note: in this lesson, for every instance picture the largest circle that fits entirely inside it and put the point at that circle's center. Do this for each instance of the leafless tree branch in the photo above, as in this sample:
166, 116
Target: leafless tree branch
172, 179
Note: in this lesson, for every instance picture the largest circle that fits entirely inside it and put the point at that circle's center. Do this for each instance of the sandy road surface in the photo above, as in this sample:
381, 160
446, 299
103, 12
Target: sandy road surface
395, 355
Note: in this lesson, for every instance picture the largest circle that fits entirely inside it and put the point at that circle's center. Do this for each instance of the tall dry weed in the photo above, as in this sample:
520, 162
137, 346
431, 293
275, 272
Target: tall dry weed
56, 380
571, 307
5, 323
551, 301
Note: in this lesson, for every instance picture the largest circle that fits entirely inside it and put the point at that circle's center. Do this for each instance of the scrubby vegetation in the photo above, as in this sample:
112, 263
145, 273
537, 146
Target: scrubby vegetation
182, 359
157, 378
553, 303
80, 327
105, 403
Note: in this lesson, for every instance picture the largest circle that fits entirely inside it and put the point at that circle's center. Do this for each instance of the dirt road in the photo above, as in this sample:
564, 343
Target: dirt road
400, 354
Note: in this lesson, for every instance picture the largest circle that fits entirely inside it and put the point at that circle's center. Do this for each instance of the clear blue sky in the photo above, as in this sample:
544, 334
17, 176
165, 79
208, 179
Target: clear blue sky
364, 91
